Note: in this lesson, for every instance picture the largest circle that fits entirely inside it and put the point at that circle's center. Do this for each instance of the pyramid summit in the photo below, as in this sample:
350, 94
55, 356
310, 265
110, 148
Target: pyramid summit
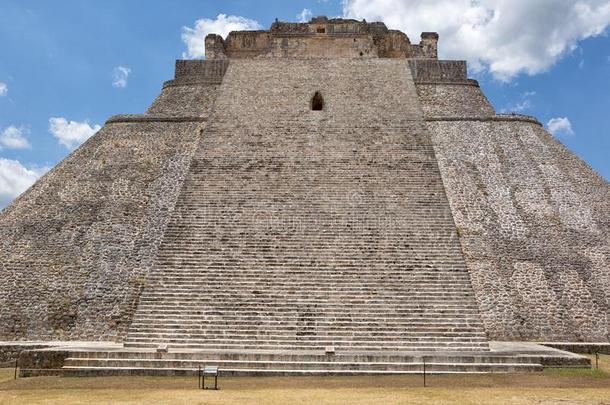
321, 197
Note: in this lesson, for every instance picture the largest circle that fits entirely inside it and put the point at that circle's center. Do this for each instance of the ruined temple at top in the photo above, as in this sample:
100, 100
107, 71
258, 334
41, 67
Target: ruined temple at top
317, 189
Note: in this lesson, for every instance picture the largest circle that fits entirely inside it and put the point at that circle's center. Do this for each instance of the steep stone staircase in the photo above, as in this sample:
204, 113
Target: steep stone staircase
298, 230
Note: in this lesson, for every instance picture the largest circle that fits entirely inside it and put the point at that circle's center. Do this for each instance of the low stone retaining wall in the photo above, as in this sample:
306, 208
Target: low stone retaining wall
41, 362
580, 347
11, 351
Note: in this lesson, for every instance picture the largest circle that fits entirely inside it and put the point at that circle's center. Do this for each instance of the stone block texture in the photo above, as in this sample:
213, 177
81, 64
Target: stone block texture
533, 219
404, 215
321, 38
76, 248
534, 222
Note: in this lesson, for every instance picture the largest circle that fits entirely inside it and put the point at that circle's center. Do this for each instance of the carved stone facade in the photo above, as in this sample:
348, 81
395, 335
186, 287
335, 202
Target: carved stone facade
321, 38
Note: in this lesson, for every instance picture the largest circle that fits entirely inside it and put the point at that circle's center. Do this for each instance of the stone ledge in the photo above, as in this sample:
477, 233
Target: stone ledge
10, 350
580, 347
467, 82
215, 69
122, 118
192, 81
433, 70
496, 118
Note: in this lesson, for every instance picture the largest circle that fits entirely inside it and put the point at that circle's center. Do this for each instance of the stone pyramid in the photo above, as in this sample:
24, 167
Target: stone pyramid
321, 186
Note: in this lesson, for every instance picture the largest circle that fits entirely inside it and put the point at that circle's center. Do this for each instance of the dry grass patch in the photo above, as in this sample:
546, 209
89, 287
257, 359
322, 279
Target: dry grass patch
550, 387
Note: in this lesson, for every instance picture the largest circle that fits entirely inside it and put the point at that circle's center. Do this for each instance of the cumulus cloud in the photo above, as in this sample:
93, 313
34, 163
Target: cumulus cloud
305, 15
14, 138
71, 133
15, 178
503, 37
560, 126
119, 76
194, 38
3, 89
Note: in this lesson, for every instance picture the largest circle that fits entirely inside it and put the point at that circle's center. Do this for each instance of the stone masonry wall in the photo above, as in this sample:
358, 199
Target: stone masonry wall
533, 219
438, 71
321, 38
75, 248
453, 100
534, 222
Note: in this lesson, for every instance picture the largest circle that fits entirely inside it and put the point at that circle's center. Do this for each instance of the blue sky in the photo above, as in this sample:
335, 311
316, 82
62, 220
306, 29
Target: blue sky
66, 66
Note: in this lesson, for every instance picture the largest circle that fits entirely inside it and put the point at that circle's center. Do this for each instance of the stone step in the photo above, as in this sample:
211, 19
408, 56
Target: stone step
257, 300
308, 266
373, 346
315, 300
414, 271
302, 244
292, 330
307, 356
281, 329
161, 290
384, 285
317, 284
310, 308
298, 255
336, 293
286, 327
429, 291
215, 316
306, 338
233, 367
347, 286
256, 372
333, 325
356, 287
355, 273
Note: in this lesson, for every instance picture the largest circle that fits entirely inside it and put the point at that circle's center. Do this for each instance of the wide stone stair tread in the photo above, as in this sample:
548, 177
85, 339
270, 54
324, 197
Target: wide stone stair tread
269, 323
295, 366
320, 345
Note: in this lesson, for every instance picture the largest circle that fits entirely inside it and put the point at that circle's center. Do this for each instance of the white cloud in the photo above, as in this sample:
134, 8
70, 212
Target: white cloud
524, 103
194, 38
305, 15
504, 37
560, 126
119, 76
14, 138
15, 178
3, 89
71, 133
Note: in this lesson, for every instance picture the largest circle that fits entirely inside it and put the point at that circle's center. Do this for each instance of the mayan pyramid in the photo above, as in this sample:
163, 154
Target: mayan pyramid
322, 187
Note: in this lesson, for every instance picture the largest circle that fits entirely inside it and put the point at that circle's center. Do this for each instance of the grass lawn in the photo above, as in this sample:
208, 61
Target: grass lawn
552, 386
